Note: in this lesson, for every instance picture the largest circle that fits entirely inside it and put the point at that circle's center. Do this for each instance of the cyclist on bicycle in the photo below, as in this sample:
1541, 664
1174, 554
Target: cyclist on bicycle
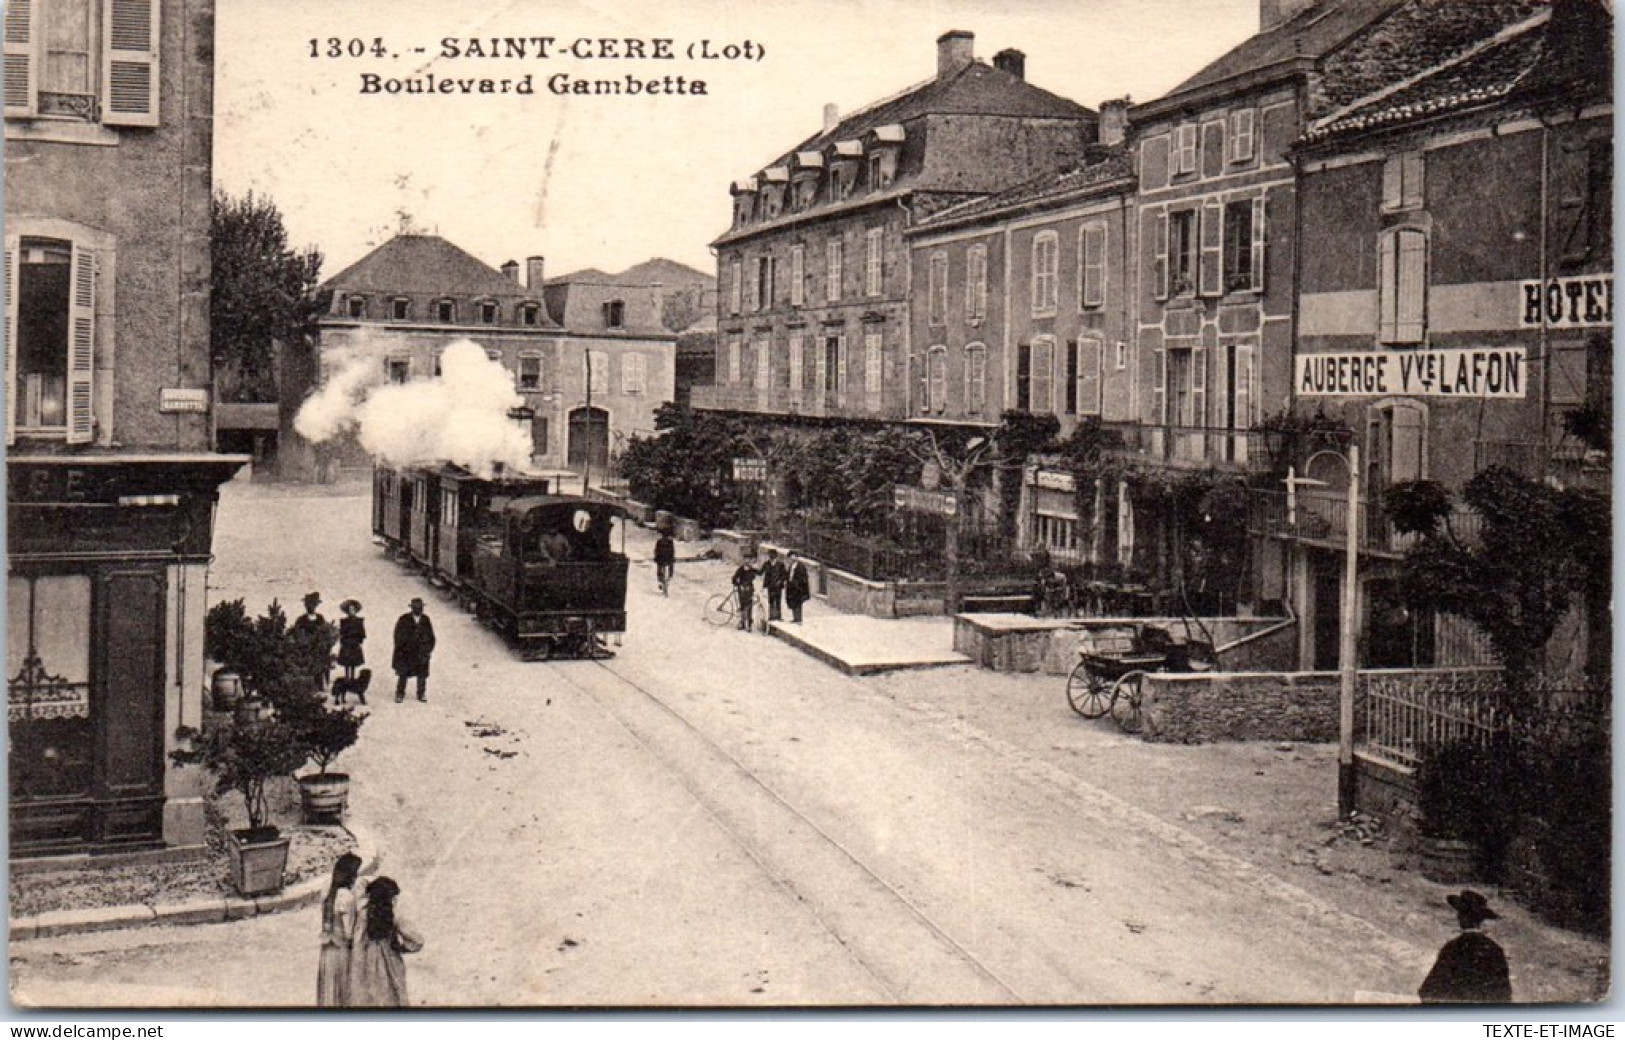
665, 560
744, 582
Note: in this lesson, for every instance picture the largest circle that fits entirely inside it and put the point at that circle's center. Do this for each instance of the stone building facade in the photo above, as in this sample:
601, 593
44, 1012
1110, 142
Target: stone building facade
111, 483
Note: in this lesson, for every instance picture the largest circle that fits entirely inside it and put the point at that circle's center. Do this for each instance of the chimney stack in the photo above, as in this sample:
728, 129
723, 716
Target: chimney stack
1012, 61
510, 271
1113, 121
1272, 14
955, 50
832, 117
533, 272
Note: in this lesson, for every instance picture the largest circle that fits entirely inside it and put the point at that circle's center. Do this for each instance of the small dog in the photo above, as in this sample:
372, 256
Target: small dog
343, 687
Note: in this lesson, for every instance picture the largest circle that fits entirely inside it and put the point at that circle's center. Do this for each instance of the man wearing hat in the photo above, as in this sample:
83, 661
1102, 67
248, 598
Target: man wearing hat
414, 642
1471, 969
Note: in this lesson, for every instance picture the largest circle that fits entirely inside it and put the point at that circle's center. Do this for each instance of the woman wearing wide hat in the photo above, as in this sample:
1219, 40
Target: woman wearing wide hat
352, 633
1471, 969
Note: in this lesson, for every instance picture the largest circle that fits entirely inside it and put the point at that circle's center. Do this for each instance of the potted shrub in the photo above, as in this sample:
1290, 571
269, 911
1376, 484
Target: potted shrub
243, 756
227, 635
326, 733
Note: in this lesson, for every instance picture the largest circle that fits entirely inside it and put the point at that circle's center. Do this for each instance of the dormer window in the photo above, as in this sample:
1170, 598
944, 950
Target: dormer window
882, 169
529, 314
845, 158
615, 314
488, 312
445, 311
356, 306
400, 308
774, 198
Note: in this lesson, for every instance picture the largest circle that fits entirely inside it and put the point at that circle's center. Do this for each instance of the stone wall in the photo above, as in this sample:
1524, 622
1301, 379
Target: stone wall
1203, 707
1020, 643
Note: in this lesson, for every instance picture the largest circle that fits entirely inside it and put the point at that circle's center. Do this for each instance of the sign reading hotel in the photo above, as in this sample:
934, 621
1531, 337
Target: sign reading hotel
1582, 302
1497, 372
921, 500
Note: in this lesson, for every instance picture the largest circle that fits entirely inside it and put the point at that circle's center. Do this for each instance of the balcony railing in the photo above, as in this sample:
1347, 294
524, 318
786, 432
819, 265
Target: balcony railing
1192, 447
1570, 461
1322, 516
851, 403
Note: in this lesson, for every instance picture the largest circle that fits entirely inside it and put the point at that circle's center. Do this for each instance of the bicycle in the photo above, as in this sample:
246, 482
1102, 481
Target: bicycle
722, 610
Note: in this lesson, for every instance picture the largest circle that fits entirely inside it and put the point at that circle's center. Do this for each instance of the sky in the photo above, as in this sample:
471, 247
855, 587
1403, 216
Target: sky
604, 181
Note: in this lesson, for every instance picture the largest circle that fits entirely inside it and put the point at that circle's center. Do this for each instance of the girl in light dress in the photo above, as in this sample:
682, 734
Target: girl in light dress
377, 970
339, 914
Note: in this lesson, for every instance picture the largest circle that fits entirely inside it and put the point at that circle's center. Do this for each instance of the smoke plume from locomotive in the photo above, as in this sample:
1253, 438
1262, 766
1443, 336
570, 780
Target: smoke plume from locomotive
460, 416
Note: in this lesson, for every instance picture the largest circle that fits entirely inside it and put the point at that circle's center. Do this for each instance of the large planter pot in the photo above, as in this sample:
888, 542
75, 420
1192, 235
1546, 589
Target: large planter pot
324, 797
258, 859
1450, 861
226, 689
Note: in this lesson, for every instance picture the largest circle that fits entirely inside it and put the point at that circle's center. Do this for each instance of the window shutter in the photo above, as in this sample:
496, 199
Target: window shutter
1410, 165
1210, 274
130, 62
22, 71
1243, 390
1159, 240
1387, 288
1088, 377
975, 379
1199, 386
1071, 377
840, 363
12, 263
1406, 463
798, 275
795, 362
1411, 299
821, 367
939, 380
1241, 135
81, 347
1392, 183
1258, 244
1024, 376
1093, 293
1159, 391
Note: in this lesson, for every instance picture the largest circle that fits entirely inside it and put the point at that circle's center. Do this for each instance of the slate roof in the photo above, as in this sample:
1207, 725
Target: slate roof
425, 264
1115, 167
976, 89
669, 274
1441, 56
1309, 35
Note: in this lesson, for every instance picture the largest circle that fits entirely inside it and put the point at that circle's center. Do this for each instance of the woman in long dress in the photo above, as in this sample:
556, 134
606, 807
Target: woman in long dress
338, 934
377, 971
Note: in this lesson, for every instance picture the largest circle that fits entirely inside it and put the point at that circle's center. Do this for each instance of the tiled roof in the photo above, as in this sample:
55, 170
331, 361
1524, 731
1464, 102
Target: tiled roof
976, 89
1489, 75
1310, 34
424, 264
1435, 57
1118, 165
1417, 36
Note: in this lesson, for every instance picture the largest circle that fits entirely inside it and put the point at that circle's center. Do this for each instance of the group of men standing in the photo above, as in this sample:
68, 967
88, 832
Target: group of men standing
785, 581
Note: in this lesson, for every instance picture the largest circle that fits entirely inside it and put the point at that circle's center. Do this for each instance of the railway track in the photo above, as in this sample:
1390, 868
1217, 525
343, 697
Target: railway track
912, 958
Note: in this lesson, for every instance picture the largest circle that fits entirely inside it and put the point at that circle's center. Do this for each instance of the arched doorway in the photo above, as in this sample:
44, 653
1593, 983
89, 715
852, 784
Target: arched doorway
589, 437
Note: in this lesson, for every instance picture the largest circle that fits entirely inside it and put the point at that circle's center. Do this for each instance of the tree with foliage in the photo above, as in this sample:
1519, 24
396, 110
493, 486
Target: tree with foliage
262, 292
1537, 548
686, 467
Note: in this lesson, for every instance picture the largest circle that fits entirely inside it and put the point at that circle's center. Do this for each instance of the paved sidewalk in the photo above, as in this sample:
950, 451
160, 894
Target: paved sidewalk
860, 645
205, 910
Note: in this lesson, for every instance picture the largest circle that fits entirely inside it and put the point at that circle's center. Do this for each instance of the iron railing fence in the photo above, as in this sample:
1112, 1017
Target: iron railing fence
1401, 718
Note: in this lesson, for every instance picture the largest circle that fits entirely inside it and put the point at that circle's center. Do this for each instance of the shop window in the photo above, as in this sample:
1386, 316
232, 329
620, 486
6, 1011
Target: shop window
48, 641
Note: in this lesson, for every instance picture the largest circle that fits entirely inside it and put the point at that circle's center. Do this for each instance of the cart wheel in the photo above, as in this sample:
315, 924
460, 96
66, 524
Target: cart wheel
1126, 694
1087, 693
719, 609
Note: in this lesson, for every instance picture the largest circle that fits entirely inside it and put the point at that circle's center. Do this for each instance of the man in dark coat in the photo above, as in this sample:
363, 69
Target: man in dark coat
414, 642
744, 583
311, 629
774, 576
797, 587
1471, 969
665, 560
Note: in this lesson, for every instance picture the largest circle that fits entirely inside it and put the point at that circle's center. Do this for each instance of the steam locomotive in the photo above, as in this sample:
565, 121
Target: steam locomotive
536, 566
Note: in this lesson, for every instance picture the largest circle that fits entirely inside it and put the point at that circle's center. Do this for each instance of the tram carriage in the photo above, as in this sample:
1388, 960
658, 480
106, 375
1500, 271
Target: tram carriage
537, 567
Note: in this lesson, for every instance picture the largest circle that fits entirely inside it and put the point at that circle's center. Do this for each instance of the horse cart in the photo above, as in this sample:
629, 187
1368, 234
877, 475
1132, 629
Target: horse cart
1110, 674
